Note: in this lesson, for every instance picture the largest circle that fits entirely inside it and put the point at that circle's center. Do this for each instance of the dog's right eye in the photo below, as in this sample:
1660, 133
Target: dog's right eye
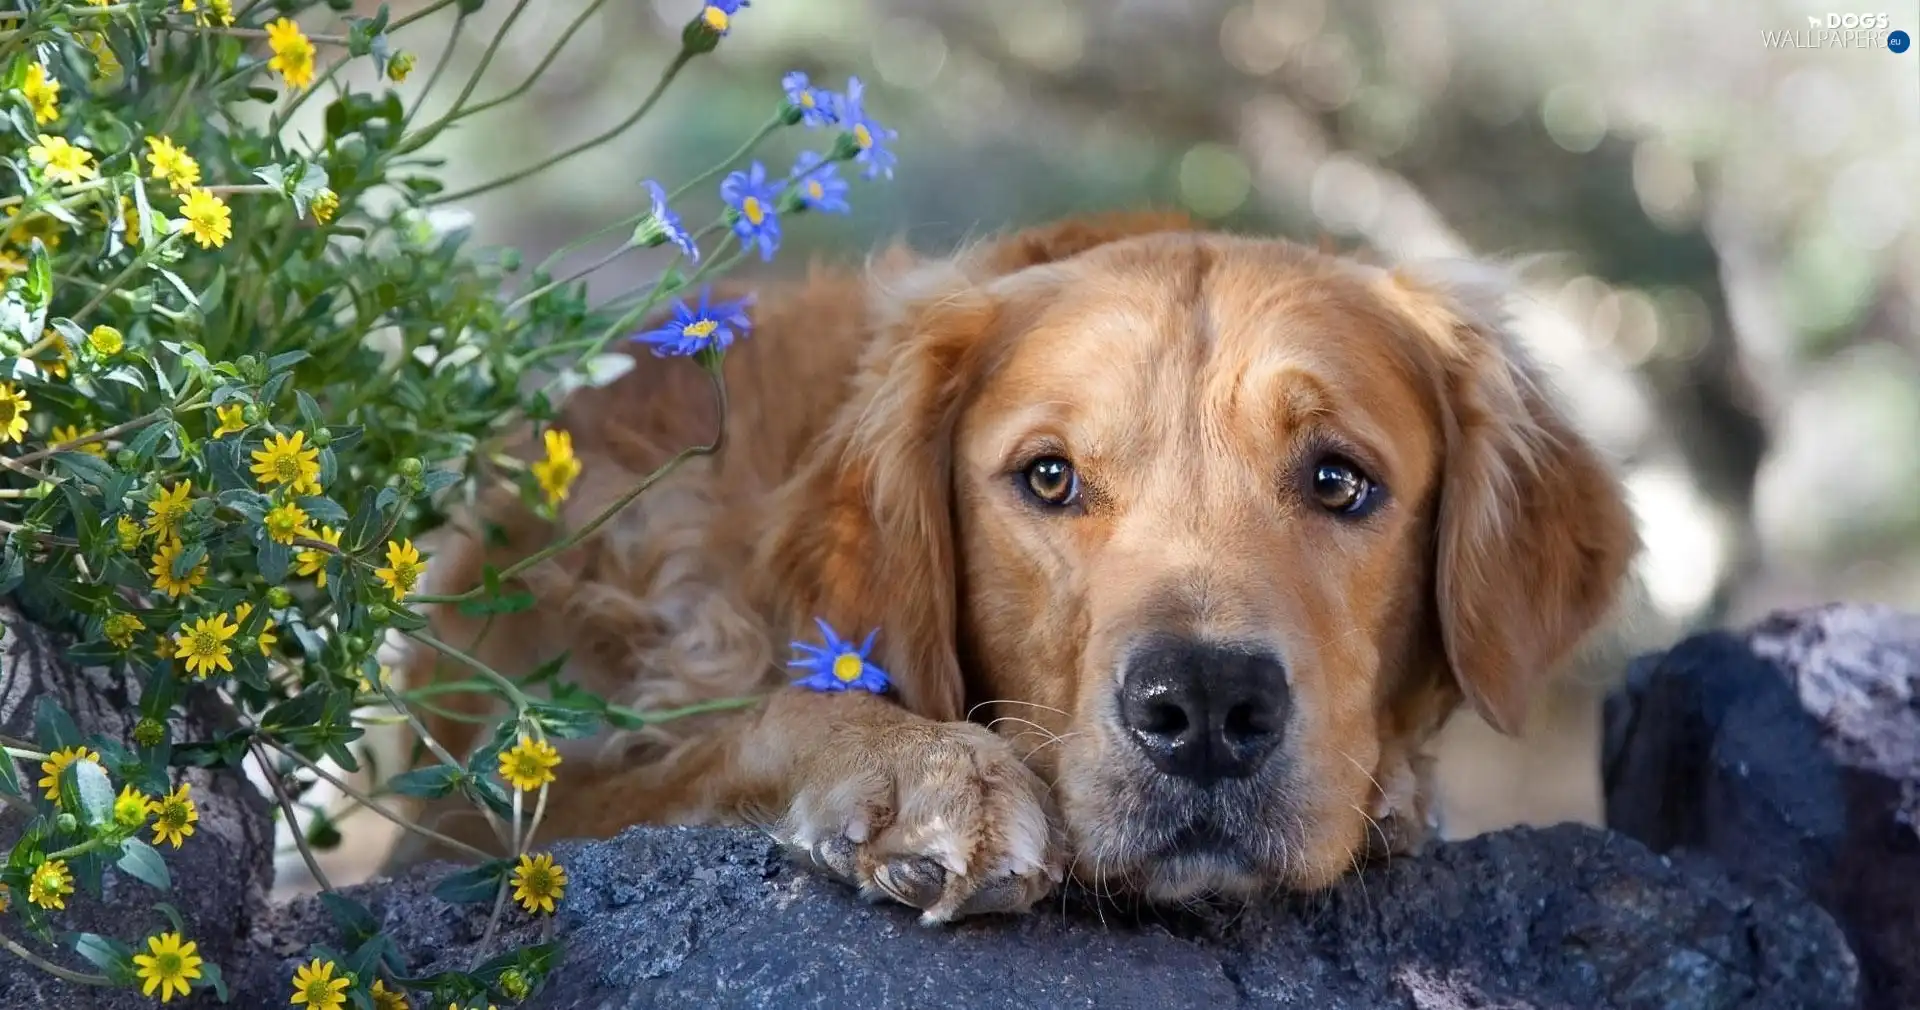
1052, 481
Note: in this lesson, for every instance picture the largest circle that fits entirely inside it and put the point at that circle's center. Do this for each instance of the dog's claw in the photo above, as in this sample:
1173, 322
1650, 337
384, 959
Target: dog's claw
912, 880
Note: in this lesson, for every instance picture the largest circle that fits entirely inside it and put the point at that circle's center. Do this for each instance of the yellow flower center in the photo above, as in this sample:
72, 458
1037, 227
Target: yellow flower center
862, 136
7, 412
815, 190
753, 211
406, 574
702, 329
173, 813
806, 99
166, 965
204, 643
715, 18
287, 468
846, 668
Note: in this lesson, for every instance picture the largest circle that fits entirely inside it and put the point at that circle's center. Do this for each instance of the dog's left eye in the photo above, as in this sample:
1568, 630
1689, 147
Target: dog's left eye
1052, 481
1342, 488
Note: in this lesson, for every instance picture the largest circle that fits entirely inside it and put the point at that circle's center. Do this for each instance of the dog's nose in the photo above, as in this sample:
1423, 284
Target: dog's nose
1204, 711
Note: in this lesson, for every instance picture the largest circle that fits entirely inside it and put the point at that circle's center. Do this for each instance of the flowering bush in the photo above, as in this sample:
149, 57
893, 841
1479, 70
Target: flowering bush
238, 376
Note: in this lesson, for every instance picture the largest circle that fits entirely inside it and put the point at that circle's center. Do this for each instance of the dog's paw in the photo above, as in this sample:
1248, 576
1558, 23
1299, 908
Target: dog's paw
940, 816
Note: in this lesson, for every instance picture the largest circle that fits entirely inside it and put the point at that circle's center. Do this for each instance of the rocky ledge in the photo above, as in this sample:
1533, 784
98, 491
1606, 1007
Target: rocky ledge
1703, 752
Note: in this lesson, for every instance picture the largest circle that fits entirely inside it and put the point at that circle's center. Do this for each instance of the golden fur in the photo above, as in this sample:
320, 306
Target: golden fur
878, 422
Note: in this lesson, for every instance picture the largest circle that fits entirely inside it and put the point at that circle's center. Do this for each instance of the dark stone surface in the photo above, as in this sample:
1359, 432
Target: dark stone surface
1565, 917
1789, 752
221, 874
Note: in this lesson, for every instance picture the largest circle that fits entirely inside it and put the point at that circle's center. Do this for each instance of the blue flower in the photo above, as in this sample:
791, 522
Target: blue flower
838, 666
815, 105
662, 225
697, 328
718, 14
755, 217
869, 137
819, 189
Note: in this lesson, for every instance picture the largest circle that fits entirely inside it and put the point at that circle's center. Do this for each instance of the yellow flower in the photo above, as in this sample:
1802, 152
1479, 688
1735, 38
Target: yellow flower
131, 809
315, 986
266, 637
285, 522
286, 459
387, 999
313, 560
403, 568
43, 93
129, 233
62, 161
326, 203
13, 412
538, 882
162, 571
50, 884
56, 763
168, 508
171, 965
716, 17
232, 418
72, 433
208, 219
292, 53
529, 764
560, 469
204, 645
105, 340
400, 66
120, 627
174, 815
220, 11
128, 532
57, 366
106, 61
172, 163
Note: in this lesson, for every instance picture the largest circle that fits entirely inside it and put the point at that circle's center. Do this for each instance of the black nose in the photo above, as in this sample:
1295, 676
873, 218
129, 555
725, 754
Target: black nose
1202, 711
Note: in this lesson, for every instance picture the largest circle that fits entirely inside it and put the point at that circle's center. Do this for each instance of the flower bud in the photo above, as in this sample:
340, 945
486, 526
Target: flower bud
279, 598
514, 983
67, 823
149, 732
409, 467
380, 612
126, 459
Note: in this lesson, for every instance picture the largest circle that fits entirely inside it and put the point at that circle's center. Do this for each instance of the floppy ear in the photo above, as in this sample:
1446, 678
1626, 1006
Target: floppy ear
864, 534
1534, 535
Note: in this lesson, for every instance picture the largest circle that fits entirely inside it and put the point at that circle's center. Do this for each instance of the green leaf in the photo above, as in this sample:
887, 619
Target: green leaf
52, 725
144, 444
86, 792
91, 469
274, 557
324, 511
428, 783
173, 916
486, 790
565, 722
301, 710
223, 461
352, 917
309, 410
210, 978
474, 885
9, 776
140, 860
106, 953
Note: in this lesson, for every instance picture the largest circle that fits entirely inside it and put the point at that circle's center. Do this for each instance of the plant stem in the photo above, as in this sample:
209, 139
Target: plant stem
646, 106
500, 680
64, 974
593, 525
293, 822
369, 803
98, 436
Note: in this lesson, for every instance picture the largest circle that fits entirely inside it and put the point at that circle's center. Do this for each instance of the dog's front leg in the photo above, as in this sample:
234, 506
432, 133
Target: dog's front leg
942, 816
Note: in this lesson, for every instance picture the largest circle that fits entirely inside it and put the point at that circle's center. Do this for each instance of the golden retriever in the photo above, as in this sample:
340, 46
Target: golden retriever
1178, 546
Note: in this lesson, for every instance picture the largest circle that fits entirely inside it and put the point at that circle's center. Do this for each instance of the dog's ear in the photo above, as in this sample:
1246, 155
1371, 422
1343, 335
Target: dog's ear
1534, 536
864, 538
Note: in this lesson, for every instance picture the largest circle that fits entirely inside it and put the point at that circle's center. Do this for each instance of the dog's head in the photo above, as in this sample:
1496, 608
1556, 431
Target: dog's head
1216, 530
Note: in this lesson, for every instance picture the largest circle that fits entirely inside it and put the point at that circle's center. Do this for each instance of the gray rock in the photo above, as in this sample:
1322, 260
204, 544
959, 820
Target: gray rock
1564, 917
1789, 752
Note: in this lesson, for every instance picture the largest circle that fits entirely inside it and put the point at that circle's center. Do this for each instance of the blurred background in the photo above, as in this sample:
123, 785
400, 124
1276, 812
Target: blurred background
1720, 211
